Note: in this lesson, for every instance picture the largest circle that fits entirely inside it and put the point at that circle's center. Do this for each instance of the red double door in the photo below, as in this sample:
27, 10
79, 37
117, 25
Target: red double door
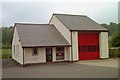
88, 46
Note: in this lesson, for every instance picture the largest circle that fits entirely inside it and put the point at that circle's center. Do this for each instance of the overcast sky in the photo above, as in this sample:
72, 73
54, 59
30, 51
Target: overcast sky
104, 11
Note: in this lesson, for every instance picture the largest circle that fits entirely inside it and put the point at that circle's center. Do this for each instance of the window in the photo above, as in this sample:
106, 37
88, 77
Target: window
89, 48
35, 51
17, 50
14, 49
59, 53
48, 54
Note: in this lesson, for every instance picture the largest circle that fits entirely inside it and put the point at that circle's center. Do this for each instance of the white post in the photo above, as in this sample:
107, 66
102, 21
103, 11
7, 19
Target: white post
75, 46
103, 42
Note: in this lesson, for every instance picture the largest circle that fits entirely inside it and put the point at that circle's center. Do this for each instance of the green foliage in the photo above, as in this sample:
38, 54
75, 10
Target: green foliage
7, 34
6, 53
6, 46
119, 27
114, 53
115, 40
112, 28
0, 36
114, 35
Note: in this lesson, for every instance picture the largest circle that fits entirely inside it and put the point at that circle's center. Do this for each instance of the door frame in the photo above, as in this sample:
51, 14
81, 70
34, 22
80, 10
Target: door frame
51, 54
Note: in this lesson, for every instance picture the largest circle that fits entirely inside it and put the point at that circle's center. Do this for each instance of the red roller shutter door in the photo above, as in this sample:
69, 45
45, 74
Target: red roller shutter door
88, 44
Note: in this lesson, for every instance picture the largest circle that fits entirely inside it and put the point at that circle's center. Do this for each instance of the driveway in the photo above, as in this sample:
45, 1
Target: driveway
57, 70
113, 63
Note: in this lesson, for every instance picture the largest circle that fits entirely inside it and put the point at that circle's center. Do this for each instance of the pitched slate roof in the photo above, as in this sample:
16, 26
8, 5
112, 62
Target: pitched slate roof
79, 22
33, 35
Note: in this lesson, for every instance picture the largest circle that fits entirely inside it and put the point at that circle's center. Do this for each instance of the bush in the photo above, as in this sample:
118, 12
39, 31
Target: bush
114, 53
6, 46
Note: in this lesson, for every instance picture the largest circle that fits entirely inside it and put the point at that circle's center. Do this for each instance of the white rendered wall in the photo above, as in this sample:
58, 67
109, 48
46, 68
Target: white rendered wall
67, 53
16, 41
103, 41
75, 45
53, 54
29, 58
63, 30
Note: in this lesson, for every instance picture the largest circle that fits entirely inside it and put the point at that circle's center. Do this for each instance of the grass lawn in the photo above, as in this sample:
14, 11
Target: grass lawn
6, 53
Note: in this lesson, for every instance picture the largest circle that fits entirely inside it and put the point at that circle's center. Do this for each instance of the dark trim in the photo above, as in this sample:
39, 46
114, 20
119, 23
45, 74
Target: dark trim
46, 46
91, 30
23, 58
71, 49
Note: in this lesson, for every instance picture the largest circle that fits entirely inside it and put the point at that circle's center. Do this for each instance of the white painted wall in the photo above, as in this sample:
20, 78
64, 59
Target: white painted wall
29, 58
75, 45
63, 30
103, 41
16, 56
67, 53
53, 54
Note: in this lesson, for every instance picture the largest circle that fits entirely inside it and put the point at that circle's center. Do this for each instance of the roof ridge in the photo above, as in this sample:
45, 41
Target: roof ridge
31, 24
70, 14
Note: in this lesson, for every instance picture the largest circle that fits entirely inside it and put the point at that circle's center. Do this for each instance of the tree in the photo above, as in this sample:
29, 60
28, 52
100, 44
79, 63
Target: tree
115, 40
112, 28
7, 33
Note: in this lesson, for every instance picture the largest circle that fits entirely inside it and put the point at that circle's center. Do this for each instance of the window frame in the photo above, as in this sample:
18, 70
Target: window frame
59, 53
34, 51
17, 48
14, 49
